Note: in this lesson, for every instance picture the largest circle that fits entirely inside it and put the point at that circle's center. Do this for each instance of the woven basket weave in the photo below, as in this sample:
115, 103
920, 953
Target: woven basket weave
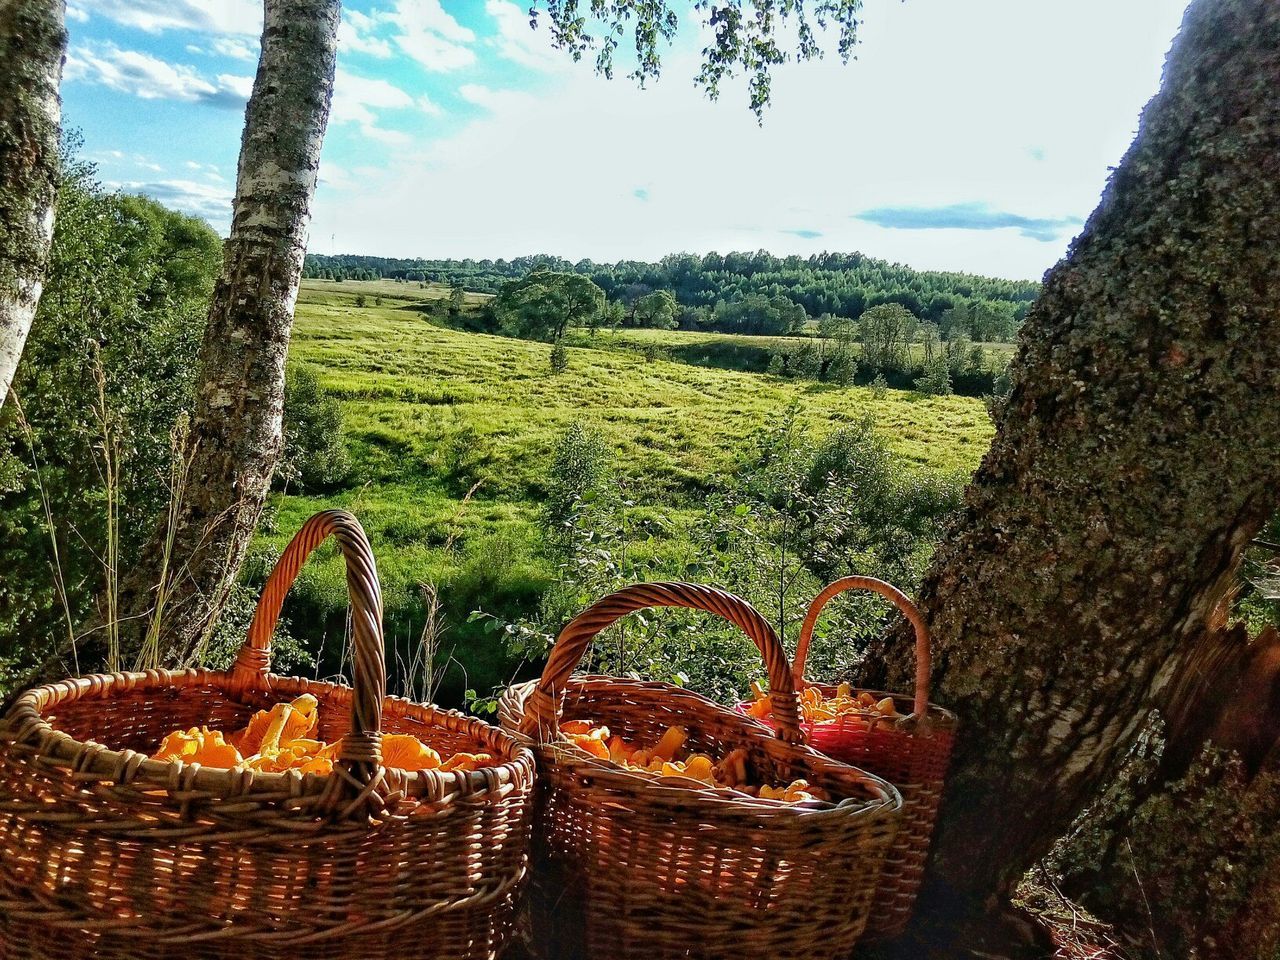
107, 854
911, 753
631, 867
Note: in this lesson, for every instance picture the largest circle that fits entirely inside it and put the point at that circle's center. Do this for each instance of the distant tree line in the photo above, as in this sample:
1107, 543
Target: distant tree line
736, 292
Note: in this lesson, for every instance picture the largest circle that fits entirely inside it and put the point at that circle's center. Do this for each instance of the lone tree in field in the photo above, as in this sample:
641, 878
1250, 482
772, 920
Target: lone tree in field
545, 304
657, 310
33, 45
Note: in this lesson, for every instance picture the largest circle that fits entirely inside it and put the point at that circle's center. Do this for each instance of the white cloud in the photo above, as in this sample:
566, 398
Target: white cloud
359, 100
150, 78
211, 202
926, 117
431, 36
357, 33
235, 48
429, 106
238, 17
520, 43
494, 100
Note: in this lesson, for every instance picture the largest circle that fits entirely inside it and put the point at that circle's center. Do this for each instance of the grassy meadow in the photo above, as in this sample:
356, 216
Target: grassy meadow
451, 433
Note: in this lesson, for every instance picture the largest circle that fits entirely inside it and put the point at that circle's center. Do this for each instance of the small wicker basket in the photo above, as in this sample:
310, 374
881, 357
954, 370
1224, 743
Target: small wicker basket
912, 753
107, 854
629, 867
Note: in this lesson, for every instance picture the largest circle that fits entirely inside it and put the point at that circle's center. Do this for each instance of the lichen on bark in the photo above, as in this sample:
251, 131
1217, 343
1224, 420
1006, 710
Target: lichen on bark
32, 47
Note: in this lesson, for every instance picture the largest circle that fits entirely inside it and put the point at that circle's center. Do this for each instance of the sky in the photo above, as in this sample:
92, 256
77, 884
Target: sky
971, 135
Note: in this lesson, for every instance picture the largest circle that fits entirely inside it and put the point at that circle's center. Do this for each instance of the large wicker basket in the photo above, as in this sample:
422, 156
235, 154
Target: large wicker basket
912, 753
105, 853
628, 867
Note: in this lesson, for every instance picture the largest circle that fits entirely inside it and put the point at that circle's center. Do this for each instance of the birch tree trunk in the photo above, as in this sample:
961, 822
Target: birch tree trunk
33, 45
236, 426
1134, 460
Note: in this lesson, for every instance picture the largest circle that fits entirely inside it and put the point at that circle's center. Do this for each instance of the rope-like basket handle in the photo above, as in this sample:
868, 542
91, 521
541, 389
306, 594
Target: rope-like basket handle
358, 775
542, 708
901, 601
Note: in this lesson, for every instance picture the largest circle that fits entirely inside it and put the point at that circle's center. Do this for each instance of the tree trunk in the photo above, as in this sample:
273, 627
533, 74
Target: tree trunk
1185, 853
33, 45
1134, 459
236, 426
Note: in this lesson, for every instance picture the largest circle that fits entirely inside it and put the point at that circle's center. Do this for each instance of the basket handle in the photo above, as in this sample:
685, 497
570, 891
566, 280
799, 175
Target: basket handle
359, 764
542, 708
904, 605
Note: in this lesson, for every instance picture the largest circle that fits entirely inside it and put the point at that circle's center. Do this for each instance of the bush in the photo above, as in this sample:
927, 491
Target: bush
842, 369
578, 473
935, 379
559, 358
124, 303
315, 454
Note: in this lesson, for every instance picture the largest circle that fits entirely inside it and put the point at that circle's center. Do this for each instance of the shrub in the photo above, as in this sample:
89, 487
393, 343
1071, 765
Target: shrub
578, 474
315, 454
124, 302
842, 369
935, 379
559, 357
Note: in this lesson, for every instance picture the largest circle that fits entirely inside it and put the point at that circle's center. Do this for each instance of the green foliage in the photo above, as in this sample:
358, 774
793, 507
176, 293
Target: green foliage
841, 285
657, 309
935, 379
315, 453
758, 314
543, 305
559, 357
745, 35
843, 368
794, 512
981, 320
806, 362
125, 300
887, 332
577, 476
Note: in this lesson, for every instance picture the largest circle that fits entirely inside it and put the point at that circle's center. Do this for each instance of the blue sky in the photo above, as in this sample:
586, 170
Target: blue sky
971, 135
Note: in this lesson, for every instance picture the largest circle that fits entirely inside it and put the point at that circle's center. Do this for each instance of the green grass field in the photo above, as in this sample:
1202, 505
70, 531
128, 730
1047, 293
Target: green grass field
451, 433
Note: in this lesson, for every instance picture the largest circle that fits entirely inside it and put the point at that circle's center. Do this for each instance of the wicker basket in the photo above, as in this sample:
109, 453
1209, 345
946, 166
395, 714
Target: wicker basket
628, 867
911, 753
105, 853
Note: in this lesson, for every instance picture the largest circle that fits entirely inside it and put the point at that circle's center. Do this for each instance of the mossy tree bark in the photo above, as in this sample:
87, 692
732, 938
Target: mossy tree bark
1134, 459
1183, 851
236, 425
33, 43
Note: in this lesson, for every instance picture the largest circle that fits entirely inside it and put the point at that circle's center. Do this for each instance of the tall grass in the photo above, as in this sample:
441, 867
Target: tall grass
108, 451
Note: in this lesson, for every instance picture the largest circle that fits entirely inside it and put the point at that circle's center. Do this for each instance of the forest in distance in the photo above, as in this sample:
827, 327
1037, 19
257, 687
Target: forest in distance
837, 284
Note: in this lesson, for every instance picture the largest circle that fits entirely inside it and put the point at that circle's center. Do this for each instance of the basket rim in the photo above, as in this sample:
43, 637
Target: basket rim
26, 723
938, 716
680, 791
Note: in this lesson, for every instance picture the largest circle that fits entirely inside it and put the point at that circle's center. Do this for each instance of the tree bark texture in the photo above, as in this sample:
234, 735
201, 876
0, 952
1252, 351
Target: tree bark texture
33, 44
1183, 853
236, 426
1134, 460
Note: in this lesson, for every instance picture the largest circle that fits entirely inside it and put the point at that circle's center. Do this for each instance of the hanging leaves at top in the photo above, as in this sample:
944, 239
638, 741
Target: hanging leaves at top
750, 37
